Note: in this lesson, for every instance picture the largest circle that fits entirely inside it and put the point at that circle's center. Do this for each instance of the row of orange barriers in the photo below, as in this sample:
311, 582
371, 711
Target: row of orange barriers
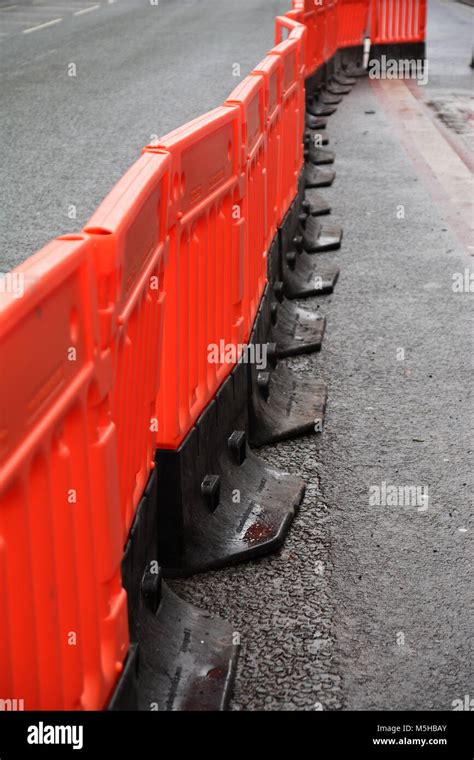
339, 24
104, 357
398, 21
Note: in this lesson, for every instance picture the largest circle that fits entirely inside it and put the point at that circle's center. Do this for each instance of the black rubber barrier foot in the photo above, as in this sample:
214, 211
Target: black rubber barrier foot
293, 329
324, 109
355, 70
180, 658
296, 268
283, 405
315, 108
315, 204
313, 137
319, 156
341, 78
316, 237
187, 658
315, 122
316, 177
303, 279
293, 407
296, 330
329, 99
337, 89
336, 76
219, 504
350, 62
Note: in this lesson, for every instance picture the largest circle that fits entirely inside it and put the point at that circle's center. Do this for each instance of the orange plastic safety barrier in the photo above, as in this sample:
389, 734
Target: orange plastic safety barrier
352, 22
331, 22
130, 234
63, 615
398, 21
206, 279
297, 32
291, 154
249, 97
270, 72
330, 25
313, 18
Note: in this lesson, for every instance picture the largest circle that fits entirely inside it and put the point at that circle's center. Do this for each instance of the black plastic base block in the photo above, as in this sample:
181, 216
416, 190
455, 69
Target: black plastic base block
180, 657
399, 51
337, 82
300, 274
309, 280
324, 108
313, 137
341, 78
338, 89
218, 503
330, 100
356, 70
297, 330
283, 405
318, 108
315, 122
316, 177
315, 204
319, 156
293, 329
294, 407
188, 658
352, 61
318, 237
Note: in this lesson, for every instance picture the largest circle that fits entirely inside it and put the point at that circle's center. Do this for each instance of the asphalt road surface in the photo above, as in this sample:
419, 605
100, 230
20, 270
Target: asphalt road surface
141, 70
368, 606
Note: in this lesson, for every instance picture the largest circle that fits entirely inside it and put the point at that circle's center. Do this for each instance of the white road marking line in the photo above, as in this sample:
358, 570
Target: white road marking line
42, 26
86, 10
8, 8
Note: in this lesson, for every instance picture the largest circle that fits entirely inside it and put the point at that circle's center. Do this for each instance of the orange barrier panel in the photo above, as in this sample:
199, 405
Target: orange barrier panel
63, 616
305, 13
270, 71
398, 21
330, 40
299, 33
130, 229
313, 17
249, 97
321, 30
352, 22
292, 120
205, 276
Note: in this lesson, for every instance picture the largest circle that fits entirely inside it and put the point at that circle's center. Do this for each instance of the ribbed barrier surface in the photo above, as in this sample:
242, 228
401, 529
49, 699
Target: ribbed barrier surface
63, 621
105, 358
398, 21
